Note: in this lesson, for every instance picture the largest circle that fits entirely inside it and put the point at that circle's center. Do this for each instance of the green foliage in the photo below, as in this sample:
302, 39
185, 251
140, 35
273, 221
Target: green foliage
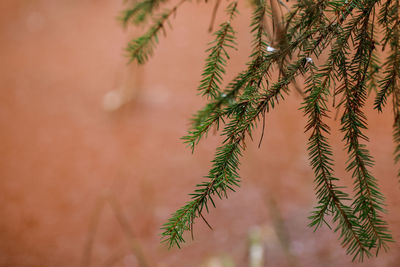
217, 59
139, 11
142, 48
344, 31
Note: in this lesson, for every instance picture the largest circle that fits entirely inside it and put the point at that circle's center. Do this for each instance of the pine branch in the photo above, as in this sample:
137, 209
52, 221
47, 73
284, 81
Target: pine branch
224, 173
346, 27
368, 202
389, 19
139, 11
140, 49
212, 114
390, 84
258, 30
218, 57
331, 198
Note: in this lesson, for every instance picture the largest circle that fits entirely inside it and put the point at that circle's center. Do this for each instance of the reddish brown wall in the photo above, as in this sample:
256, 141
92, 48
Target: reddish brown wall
61, 152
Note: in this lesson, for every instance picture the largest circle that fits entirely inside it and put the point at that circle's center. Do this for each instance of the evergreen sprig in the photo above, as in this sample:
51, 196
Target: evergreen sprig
218, 56
331, 198
139, 11
141, 48
346, 31
389, 84
368, 203
223, 176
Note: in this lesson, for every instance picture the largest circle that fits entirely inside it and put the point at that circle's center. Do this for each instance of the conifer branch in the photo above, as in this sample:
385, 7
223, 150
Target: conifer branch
331, 198
140, 49
390, 83
351, 69
223, 175
139, 11
217, 59
212, 113
389, 19
368, 202
258, 30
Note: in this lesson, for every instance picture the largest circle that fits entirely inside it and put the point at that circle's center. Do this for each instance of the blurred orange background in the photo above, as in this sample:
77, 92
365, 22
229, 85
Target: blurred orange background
85, 183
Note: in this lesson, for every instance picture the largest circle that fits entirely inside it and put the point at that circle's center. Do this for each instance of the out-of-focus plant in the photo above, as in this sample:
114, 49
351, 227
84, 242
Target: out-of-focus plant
345, 32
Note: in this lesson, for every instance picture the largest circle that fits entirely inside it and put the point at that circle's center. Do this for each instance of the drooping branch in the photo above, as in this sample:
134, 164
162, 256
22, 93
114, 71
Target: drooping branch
345, 28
